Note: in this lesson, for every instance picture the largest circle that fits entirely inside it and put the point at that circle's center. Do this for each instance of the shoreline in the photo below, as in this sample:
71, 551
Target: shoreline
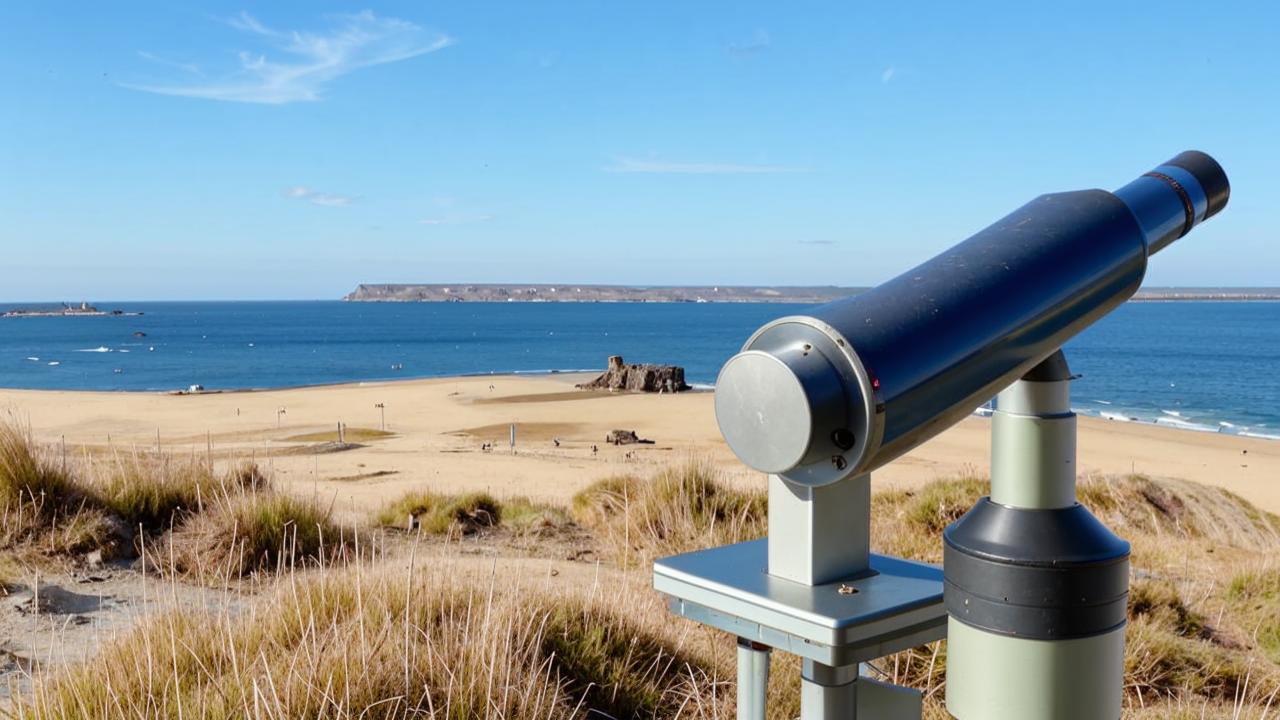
1112, 415
451, 434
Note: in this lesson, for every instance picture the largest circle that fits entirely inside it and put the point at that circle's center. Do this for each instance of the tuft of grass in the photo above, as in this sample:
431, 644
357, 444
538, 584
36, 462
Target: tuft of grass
437, 514
43, 509
410, 506
528, 517
1162, 605
612, 664
679, 508
1161, 663
1254, 596
27, 478
256, 533
909, 523
155, 494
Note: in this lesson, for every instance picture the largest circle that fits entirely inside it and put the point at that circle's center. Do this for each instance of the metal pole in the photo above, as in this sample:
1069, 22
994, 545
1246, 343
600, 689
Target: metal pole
753, 679
1039, 634
827, 693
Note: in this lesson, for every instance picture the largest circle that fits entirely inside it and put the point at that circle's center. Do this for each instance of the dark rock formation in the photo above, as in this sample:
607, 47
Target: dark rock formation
638, 378
625, 437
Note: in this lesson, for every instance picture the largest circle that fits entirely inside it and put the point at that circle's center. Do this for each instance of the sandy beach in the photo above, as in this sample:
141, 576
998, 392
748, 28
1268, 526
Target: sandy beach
437, 430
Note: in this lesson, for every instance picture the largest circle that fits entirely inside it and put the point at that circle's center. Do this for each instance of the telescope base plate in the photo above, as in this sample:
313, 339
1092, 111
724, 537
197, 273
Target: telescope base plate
896, 606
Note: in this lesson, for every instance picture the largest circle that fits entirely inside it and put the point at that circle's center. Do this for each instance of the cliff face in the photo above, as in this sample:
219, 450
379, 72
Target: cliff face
590, 293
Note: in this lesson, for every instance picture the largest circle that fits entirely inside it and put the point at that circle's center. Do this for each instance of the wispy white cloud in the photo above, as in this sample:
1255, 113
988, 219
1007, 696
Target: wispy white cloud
635, 165
456, 220
887, 75
302, 192
308, 61
757, 44
185, 67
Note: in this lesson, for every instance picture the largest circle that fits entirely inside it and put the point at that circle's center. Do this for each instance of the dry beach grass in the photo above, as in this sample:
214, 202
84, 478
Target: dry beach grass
460, 618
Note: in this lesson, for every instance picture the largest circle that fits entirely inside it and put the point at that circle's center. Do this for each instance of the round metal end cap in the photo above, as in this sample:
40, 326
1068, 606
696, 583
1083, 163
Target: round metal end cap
763, 412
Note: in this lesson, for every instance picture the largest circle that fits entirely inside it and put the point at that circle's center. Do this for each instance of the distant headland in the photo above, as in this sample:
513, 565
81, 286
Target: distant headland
513, 292
81, 309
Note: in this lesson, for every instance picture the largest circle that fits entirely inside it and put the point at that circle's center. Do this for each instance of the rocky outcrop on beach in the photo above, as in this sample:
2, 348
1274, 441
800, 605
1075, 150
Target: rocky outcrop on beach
625, 437
638, 378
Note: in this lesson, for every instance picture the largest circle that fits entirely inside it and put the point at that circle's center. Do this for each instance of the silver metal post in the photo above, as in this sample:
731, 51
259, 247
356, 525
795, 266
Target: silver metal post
1033, 446
819, 534
753, 679
827, 693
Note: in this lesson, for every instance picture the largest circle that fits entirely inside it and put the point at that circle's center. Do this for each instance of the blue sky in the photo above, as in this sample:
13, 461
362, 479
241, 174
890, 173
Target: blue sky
221, 150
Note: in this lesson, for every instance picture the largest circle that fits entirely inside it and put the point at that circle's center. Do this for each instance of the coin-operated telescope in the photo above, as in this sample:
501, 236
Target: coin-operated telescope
1033, 591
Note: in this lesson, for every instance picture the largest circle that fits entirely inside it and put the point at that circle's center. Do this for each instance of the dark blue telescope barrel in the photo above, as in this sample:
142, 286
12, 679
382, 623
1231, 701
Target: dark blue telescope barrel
860, 381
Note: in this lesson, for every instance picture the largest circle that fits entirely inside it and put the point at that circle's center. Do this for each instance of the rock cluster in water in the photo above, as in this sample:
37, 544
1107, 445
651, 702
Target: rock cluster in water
638, 378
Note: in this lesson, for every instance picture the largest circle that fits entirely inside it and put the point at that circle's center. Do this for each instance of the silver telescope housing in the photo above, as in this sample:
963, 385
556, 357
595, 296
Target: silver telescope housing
854, 384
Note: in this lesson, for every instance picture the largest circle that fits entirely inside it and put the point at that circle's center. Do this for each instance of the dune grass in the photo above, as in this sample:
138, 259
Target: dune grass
153, 494
526, 516
181, 514
382, 643
1254, 595
366, 638
256, 533
681, 507
42, 508
437, 514
26, 476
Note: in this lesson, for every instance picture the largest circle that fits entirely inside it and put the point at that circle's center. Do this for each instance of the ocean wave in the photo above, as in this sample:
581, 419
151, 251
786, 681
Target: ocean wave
1172, 413
1226, 424
1103, 402
702, 386
54, 363
1117, 417
1263, 436
34, 359
1185, 424
99, 349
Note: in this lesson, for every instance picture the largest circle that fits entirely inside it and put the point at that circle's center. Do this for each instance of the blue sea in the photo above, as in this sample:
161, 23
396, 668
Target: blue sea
1208, 366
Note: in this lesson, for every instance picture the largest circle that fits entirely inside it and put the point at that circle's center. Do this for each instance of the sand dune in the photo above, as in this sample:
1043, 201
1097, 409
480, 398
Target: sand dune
439, 427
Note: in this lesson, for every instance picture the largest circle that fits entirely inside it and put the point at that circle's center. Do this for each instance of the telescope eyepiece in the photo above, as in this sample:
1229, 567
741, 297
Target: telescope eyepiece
1211, 177
1176, 196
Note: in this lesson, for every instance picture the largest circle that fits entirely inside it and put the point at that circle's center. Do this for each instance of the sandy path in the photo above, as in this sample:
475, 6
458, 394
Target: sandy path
429, 448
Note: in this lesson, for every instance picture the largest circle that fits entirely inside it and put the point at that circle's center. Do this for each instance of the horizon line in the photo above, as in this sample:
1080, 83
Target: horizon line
1267, 289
